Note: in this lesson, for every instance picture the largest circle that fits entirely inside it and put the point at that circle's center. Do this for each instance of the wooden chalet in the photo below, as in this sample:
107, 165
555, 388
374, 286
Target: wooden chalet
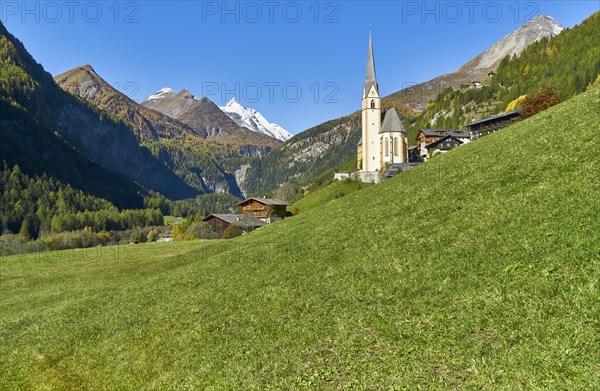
490, 125
220, 222
426, 137
266, 209
444, 144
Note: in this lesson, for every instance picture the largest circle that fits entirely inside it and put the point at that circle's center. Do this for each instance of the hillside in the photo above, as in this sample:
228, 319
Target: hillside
184, 150
477, 270
478, 68
207, 119
307, 155
327, 193
148, 124
540, 64
48, 130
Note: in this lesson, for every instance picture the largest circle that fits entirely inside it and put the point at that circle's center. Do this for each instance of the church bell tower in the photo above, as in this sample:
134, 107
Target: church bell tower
371, 117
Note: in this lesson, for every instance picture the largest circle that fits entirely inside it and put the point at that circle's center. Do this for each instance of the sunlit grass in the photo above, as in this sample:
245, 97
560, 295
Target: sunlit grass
477, 270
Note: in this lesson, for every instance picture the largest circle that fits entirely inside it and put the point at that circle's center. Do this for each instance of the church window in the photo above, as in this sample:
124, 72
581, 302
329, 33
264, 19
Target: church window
396, 146
387, 147
373, 103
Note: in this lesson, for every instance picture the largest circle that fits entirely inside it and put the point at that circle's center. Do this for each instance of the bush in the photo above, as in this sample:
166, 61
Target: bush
11, 244
139, 237
233, 231
542, 100
153, 235
200, 230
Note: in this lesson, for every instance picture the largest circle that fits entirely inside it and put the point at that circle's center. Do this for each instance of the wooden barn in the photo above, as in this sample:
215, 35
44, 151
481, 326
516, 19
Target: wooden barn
220, 222
266, 209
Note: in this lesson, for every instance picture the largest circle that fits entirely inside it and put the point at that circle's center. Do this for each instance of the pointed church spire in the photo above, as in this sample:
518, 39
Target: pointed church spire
370, 78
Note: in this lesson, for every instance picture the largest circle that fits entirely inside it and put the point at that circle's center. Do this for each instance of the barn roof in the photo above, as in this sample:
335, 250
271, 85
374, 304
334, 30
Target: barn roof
242, 220
446, 132
510, 114
265, 201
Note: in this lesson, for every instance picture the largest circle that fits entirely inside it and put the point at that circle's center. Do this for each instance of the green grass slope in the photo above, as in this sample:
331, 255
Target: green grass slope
477, 270
322, 196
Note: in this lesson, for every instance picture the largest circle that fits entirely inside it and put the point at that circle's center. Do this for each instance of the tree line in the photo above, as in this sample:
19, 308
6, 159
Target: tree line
34, 206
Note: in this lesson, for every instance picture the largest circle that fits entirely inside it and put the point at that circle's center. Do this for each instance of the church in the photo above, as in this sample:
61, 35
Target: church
383, 140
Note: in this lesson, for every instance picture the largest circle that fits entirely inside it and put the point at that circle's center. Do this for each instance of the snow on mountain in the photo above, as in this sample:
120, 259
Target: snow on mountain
159, 97
253, 120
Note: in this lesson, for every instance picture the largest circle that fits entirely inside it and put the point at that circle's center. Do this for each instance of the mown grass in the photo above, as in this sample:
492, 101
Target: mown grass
477, 270
322, 196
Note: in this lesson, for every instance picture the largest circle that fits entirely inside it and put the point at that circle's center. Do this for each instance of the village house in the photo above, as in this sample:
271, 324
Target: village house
426, 137
489, 125
265, 209
443, 145
220, 222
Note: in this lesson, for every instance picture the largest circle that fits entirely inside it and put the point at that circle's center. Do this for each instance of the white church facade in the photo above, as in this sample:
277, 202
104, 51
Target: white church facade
383, 140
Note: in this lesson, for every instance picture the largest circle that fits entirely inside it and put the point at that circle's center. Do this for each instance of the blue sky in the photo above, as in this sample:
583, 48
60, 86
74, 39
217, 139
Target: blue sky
299, 63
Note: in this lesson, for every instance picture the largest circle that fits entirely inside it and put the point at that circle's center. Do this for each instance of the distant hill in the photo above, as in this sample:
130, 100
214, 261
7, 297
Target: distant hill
478, 68
183, 149
304, 157
207, 119
570, 61
253, 120
46, 130
476, 270
147, 124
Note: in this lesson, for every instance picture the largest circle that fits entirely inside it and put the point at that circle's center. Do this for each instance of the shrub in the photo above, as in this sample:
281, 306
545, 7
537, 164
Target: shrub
153, 235
139, 237
542, 100
200, 230
233, 231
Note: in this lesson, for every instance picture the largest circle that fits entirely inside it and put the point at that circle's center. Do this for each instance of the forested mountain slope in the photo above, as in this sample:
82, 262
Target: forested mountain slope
38, 119
570, 61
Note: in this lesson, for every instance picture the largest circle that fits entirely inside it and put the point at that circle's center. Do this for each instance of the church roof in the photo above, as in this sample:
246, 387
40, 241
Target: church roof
391, 122
370, 78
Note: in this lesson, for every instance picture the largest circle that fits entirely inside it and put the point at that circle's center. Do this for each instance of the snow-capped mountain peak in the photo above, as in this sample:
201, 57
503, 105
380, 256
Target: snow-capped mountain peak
253, 120
161, 94
158, 97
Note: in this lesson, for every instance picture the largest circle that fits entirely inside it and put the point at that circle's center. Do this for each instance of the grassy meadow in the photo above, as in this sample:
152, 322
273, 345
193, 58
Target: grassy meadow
477, 270
324, 195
